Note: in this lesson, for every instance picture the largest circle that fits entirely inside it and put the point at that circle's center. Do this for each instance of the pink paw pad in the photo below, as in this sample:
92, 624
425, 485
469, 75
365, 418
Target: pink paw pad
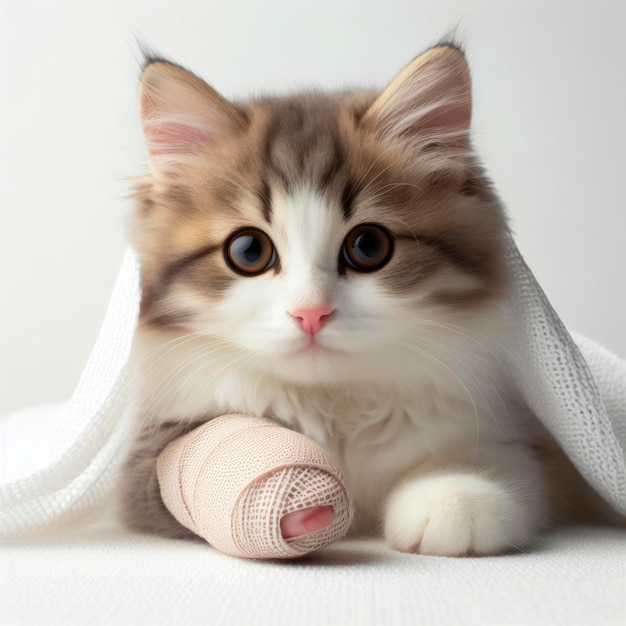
306, 521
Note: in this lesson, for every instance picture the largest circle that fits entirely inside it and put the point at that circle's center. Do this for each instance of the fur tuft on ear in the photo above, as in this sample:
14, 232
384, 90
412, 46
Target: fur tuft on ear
180, 113
429, 101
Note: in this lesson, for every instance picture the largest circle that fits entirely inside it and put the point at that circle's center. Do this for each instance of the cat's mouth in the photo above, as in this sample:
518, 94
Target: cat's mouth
314, 347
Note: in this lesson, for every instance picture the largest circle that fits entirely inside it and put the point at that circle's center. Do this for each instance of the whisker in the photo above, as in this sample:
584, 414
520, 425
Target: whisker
172, 380
479, 339
453, 375
477, 384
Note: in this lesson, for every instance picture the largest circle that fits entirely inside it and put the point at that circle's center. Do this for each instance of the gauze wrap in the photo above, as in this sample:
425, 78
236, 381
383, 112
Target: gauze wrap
233, 479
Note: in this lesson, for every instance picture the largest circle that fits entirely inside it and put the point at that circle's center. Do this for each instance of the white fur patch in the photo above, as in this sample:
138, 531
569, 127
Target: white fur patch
456, 514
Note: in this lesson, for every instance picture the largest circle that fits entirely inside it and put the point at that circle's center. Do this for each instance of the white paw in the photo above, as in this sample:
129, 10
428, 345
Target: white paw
455, 515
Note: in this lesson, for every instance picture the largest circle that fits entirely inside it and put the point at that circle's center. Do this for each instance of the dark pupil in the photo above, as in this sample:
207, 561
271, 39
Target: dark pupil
368, 246
248, 250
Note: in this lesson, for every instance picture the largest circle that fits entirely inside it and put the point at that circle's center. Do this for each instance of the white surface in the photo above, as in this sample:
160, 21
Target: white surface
549, 91
575, 579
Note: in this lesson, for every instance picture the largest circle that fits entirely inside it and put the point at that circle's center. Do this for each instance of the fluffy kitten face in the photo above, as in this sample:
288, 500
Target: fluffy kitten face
305, 171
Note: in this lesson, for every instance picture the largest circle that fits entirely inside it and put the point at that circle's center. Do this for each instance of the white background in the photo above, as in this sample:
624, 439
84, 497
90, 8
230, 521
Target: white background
550, 102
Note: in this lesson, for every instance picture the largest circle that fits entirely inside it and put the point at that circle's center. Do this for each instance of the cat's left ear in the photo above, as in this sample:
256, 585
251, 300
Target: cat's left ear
430, 100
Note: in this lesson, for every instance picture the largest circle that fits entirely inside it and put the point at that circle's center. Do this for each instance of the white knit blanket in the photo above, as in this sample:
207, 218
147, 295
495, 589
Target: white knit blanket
577, 389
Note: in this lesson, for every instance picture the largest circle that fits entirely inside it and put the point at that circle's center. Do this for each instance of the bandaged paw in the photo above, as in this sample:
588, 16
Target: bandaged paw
254, 489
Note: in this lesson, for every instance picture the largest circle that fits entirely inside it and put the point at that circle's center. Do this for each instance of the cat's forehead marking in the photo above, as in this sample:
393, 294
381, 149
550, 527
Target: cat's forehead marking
302, 144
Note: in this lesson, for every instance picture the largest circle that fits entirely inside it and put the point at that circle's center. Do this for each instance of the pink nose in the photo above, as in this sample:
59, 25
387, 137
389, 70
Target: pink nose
312, 320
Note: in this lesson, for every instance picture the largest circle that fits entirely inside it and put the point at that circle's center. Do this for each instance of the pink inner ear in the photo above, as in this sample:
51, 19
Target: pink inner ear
175, 138
453, 118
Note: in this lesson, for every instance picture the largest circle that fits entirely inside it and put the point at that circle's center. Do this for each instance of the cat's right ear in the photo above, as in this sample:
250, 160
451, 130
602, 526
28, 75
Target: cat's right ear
181, 114
430, 100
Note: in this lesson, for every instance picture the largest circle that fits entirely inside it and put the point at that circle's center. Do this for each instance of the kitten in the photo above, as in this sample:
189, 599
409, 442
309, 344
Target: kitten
335, 261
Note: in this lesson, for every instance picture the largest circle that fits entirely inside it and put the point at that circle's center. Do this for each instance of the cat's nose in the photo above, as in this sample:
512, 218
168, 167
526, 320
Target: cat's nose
312, 320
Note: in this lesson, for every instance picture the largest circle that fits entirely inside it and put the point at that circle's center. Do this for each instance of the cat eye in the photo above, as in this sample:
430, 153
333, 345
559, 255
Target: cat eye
367, 248
250, 252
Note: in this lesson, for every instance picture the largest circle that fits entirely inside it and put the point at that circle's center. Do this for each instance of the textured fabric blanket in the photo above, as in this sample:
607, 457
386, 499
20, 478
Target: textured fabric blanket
575, 387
